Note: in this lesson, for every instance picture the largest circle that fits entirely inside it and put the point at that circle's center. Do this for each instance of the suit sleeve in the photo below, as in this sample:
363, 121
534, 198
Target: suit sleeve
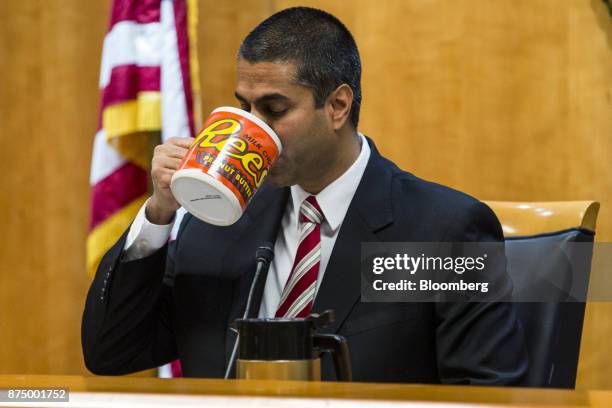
481, 342
127, 321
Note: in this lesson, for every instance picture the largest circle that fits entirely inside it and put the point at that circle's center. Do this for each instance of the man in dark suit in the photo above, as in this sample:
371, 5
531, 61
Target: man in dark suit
152, 302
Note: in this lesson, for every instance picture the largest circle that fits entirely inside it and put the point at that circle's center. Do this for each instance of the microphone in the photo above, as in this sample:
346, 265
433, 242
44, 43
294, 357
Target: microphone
265, 253
264, 256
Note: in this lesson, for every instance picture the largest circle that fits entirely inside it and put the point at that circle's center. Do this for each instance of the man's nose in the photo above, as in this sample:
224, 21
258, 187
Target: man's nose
260, 116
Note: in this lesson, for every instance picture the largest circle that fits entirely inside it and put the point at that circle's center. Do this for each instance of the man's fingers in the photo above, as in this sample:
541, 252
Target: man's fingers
162, 177
165, 180
165, 162
170, 150
167, 158
184, 142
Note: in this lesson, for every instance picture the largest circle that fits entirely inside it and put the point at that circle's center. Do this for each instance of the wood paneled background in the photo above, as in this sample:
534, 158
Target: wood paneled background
505, 99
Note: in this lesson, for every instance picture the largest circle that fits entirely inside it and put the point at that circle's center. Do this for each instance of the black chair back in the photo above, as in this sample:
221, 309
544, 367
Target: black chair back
550, 267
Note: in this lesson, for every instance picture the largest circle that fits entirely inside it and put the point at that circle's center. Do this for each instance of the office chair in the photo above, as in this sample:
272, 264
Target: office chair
544, 261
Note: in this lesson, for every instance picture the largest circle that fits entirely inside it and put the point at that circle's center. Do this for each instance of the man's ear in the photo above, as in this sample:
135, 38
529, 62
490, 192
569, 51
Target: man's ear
339, 104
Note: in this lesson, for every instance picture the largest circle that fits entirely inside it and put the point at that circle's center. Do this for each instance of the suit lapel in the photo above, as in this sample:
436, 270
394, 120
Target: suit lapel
369, 212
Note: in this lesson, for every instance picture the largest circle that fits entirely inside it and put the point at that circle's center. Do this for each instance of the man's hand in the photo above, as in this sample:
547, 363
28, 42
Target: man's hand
166, 159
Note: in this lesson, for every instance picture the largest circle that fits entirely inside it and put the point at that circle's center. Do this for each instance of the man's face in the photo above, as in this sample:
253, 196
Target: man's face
269, 91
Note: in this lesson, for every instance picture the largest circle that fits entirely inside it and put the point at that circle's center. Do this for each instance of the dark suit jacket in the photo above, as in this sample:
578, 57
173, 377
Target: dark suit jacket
180, 301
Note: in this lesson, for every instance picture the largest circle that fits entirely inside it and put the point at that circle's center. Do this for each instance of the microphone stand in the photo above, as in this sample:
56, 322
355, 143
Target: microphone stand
264, 256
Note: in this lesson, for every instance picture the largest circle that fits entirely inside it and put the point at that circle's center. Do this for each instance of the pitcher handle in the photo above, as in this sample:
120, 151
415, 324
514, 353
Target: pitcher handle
337, 346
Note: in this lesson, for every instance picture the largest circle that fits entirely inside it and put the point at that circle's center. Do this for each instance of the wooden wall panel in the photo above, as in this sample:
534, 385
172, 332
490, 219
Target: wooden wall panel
452, 87
50, 61
506, 100
590, 162
223, 26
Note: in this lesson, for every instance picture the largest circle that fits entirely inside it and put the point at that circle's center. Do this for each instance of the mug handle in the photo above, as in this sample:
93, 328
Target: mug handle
337, 346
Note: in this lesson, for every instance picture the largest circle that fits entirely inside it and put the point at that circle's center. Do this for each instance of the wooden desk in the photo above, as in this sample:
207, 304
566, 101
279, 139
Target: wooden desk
109, 391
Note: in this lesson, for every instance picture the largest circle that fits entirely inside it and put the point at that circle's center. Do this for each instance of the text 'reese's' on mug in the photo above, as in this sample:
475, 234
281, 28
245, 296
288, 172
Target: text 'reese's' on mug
225, 165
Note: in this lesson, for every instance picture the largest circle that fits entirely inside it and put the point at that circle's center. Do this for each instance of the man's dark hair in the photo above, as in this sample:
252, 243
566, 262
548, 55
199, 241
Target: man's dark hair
322, 48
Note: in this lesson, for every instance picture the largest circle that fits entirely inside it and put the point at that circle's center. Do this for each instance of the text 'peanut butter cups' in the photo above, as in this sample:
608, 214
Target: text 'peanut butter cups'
225, 165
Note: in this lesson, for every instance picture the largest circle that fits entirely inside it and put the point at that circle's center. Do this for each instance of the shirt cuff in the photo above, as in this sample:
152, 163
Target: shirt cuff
144, 237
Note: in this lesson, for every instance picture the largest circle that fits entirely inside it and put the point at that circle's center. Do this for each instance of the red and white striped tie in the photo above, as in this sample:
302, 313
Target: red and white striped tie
298, 295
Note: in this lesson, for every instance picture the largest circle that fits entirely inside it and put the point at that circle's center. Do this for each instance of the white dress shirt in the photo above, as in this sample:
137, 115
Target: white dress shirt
144, 238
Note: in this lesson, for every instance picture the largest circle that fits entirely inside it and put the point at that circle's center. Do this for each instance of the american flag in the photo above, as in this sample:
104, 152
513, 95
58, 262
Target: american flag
149, 85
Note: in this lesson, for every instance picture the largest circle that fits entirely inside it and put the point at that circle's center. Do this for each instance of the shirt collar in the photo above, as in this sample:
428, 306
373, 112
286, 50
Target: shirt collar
334, 199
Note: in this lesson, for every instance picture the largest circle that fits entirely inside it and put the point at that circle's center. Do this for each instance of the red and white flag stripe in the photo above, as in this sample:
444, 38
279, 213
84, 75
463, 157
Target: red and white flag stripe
149, 91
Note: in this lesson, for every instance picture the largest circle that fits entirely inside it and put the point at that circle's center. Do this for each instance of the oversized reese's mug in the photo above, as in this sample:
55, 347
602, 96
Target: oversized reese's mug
225, 165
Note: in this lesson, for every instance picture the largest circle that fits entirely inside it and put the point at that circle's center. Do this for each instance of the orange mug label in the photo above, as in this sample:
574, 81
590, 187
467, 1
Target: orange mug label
235, 151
